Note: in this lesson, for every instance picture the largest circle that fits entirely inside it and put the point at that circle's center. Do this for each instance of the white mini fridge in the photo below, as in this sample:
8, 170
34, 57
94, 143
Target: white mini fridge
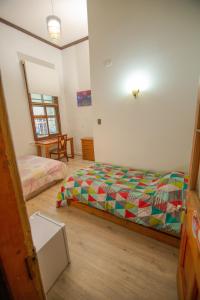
50, 241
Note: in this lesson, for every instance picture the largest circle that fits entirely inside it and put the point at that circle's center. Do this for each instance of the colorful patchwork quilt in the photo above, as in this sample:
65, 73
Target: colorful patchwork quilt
148, 198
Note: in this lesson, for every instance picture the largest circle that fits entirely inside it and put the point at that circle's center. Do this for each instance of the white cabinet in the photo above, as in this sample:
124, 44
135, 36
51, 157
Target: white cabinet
50, 241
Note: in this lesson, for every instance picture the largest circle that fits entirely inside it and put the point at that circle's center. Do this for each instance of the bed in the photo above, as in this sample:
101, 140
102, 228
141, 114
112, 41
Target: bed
154, 200
38, 173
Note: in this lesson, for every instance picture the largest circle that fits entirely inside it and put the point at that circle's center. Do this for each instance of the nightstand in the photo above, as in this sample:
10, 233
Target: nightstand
87, 148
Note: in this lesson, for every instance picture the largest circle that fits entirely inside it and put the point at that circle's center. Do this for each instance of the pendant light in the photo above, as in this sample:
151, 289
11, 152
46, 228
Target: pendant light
53, 25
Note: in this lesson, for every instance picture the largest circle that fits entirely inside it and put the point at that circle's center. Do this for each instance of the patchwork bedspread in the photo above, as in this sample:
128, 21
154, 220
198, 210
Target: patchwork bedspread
38, 172
144, 197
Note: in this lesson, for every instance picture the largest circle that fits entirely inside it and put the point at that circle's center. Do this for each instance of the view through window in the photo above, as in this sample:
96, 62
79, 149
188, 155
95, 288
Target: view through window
45, 116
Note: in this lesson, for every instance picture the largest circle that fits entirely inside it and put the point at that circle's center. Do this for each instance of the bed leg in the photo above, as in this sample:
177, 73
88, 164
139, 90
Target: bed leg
69, 202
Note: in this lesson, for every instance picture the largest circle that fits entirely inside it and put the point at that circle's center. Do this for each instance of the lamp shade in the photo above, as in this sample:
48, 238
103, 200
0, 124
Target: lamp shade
54, 27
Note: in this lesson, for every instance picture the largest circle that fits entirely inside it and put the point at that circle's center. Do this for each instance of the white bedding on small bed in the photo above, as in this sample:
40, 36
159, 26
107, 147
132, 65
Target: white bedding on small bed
37, 173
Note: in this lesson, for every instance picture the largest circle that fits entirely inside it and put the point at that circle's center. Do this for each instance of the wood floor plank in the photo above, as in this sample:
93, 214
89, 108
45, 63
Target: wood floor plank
108, 262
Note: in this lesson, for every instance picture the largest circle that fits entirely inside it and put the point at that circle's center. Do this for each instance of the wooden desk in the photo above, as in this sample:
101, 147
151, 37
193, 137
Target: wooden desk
49, 143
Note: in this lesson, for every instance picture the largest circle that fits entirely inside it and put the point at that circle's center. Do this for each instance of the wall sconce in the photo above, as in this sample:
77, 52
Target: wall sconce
136, 93
137, 83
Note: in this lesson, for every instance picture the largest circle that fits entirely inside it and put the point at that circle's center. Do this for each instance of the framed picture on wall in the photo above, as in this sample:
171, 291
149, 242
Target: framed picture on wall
84, 98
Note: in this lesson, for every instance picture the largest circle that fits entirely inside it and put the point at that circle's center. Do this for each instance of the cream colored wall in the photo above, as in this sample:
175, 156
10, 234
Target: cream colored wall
13, 44
76, 70
72, 66
160, 38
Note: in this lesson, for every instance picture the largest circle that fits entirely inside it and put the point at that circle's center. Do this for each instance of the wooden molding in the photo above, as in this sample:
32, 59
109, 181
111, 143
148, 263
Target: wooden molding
74, 43
195, 156
17, 253
28, 33
188, 273
8, 23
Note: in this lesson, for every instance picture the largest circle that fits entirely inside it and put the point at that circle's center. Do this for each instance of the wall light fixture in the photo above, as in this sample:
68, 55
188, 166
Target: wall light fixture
136, 93
137, 83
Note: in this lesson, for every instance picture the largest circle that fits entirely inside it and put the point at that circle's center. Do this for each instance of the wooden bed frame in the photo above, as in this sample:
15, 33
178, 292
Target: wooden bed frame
150, 232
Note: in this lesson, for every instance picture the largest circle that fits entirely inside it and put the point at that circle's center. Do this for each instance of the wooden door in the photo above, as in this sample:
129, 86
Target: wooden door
189, 259
188, 276
20, 277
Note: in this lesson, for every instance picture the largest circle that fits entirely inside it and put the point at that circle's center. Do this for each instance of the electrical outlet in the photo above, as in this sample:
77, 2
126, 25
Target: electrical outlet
99, 121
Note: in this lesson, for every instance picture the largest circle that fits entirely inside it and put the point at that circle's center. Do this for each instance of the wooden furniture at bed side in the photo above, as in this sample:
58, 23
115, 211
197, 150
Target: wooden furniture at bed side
61, 150
87, 148
150, 232
17, 255
47, 144
188, 275
195, 157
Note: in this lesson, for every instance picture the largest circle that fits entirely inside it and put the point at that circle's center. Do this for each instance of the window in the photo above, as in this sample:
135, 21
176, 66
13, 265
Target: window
45, 116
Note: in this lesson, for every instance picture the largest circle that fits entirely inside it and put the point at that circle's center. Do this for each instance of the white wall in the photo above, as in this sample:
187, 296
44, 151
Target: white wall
72, 65
13, 42
161, 38
77, 78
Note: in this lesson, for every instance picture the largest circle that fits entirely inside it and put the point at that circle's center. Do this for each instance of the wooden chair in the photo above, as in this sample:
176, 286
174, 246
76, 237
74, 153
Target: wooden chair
61, 150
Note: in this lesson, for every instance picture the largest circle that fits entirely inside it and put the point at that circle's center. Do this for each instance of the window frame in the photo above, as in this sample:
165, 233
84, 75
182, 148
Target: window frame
55, 105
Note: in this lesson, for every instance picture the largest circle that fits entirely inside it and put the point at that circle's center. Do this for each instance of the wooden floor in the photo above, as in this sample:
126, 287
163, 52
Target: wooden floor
108, 262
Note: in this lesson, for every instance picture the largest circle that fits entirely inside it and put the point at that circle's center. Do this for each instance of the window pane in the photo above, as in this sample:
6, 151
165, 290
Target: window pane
53, 126
48, 99
51, 111
41, 127
36, 98
38, 111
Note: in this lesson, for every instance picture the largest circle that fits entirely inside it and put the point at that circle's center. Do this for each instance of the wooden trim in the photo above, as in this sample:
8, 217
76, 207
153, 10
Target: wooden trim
195, 156
58, 117
46, 104
188, 273
34, 120
16, 245
28, 33
6, 293
75, 42
40, 116
8, 23
150, 232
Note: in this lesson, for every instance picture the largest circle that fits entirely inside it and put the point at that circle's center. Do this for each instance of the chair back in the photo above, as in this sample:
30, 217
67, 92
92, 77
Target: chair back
62, 142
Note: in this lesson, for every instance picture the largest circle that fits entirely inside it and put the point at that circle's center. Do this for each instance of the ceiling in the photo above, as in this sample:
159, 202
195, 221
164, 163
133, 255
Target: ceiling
31, 15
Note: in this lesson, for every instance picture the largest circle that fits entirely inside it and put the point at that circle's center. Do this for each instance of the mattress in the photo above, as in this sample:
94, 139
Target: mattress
147, 198
37, 173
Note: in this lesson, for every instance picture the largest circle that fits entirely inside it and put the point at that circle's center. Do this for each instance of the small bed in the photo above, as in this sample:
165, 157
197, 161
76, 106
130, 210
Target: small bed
38, 173
154, 200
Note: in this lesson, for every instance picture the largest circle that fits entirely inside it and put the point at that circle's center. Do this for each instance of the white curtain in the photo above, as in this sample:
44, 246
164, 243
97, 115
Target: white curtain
42, 79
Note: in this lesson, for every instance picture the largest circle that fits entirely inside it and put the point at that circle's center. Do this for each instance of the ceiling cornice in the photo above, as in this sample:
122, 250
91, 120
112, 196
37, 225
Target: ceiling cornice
74, 43
42, 39
28, 33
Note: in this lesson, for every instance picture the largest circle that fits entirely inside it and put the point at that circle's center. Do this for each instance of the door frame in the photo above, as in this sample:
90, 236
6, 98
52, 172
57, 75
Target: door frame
17, 253
188, 273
